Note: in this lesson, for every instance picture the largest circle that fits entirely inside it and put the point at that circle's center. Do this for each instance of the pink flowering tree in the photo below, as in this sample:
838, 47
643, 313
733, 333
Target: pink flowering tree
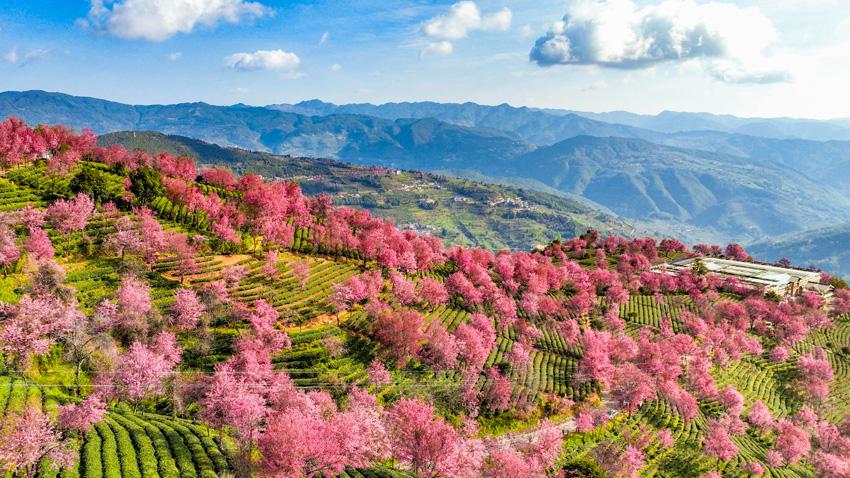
83, 415
142, 371
187, 308
717, 442
38, 245
9, 252
428, 445
69, 216
377, 374
133, 299
816, 374
29, 437
400, 334
34, 324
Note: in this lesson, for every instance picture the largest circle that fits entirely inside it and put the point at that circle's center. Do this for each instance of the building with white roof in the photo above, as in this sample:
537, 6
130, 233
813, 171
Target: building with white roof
783, 281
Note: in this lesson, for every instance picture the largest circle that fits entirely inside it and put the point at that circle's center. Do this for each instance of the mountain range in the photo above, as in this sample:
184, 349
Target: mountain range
694, 175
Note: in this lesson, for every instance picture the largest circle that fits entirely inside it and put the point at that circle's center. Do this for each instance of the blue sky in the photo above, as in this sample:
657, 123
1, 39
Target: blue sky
750, 58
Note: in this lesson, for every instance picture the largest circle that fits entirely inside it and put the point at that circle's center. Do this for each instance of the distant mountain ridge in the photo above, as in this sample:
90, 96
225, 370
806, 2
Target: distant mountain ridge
355, 138
827, 248
547, 126
532, 125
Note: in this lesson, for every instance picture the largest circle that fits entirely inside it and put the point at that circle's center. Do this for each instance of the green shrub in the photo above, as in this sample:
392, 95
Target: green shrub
90, 462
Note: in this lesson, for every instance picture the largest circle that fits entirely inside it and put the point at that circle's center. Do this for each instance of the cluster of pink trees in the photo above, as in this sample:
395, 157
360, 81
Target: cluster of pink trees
21, 144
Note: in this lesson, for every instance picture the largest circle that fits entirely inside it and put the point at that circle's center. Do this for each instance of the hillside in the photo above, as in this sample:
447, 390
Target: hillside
825, 248
161, 321
714, 191
461, 212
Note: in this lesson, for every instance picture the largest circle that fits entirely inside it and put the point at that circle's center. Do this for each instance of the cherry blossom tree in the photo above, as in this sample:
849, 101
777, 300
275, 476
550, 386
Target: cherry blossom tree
400, 334
816, 374
68, 216
428, 445
717, 443
27, 438
841, 301
38, 245
33, 325
441, 348
231, 400
124, 239
792, 442
83, 415
760, 415
499, 392
188, 309
301, 270
9, 252
133, 299
630, 387
434, 292
377, 374
141, 373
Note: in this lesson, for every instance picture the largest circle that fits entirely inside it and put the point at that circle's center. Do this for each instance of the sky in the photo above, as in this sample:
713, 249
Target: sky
747, 57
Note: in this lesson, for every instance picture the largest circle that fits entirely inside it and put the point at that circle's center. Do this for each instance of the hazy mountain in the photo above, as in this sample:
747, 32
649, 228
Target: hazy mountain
673, 121
534, 126
828, 249
638, 179
547, 126
826, 162
458, 210
357, 138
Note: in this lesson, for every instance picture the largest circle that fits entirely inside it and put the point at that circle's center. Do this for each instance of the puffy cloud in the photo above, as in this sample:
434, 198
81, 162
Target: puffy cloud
336, 68
158, 20
175, 56
441, 48
271, 60
618, 34
461, 19
464, 17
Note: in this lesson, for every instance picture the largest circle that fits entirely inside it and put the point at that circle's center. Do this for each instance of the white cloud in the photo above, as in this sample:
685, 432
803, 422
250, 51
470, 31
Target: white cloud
619, 34
461, 19
464, 17
176, 56
336, 68
442, 48
159, 20
12, 56
271, 60
325, 37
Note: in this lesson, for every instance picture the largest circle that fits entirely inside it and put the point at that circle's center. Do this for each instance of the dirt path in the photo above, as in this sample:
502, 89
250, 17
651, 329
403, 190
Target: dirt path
528, 436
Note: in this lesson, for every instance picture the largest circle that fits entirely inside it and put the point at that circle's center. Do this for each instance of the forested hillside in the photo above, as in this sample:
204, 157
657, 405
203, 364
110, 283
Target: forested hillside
459, 211
162, 320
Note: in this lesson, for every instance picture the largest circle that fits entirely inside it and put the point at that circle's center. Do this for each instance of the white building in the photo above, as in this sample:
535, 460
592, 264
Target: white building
783, 281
